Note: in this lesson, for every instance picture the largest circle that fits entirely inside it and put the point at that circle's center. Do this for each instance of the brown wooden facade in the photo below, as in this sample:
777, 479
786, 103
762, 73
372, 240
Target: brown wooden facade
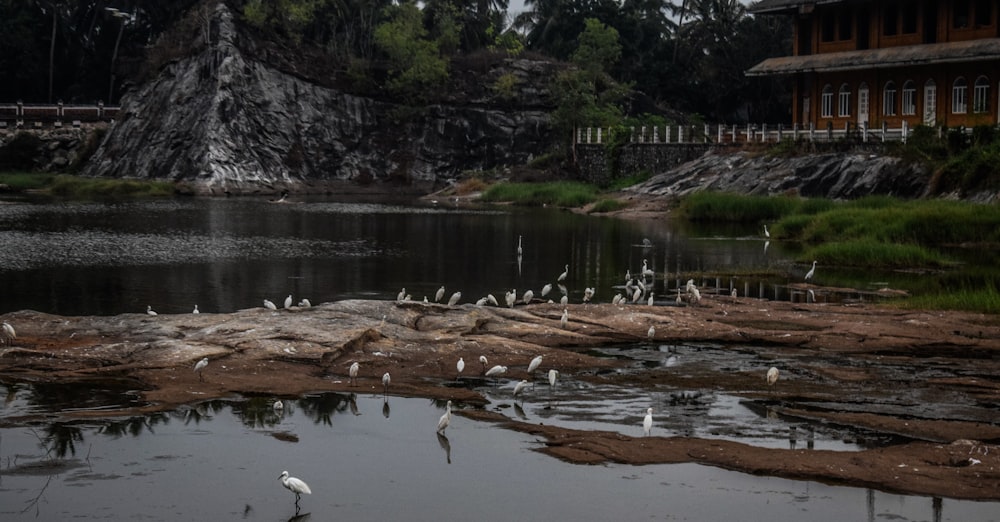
931, 62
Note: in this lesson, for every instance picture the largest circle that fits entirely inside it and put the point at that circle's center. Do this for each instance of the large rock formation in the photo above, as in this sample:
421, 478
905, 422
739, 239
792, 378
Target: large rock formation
224, 121
835, 175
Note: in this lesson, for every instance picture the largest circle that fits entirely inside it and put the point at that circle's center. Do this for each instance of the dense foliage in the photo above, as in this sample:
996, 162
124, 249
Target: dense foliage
684, 55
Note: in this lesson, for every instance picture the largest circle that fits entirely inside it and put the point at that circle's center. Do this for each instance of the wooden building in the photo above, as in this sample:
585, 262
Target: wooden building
875, 62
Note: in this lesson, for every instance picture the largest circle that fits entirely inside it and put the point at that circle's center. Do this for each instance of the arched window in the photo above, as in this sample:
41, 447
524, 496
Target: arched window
959, 96
909, 98
844, 101
981, 95
930, 103
826, 102
889, 99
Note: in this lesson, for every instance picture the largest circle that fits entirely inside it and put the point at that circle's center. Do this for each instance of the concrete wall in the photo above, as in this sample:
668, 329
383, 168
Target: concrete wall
599, 166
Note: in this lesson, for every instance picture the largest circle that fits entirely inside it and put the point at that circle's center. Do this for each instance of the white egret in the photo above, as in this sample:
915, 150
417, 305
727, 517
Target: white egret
766, 232
445, 419
149, 310
528, 296
481, 301
483, 361
588, 294
628, 277
732, 293
385, 382
8, 333
492, 300
562, 276
401, 295
646, 271
650, 300
811, 272
353, 372
496, 371
616, 299
439, 295
546, 289
647, 423
305, 303
772, 376
520, 386
564, 300
278, 405
453, 300
651, 332
510, 298
460, 366
553, 376
519, 250
269, 305
199, 366
288, 301
195, 311
637, 295
295, 486
534, 364
564, 319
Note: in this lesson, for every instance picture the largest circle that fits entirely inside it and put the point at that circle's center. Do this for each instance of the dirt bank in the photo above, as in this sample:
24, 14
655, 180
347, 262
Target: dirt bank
932, 378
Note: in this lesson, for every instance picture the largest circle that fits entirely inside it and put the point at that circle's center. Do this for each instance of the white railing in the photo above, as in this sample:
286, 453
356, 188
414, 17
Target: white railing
20, 114
764, 133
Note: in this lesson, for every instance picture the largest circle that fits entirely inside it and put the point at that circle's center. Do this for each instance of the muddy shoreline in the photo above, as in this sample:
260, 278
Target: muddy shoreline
861, 365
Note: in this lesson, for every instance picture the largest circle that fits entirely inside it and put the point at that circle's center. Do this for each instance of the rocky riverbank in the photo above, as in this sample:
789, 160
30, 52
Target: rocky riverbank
861, 366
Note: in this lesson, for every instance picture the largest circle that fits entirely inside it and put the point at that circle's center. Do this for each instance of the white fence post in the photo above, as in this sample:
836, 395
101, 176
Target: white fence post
906, 131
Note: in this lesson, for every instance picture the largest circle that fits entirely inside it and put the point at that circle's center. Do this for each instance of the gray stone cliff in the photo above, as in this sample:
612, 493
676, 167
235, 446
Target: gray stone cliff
223, 121
836, 175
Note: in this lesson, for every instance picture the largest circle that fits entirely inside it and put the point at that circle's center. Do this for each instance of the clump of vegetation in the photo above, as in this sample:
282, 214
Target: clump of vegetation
470, 186
95, 188
558, 193
724, 206
21, 181
627, 181
506, 86
607, 205
875, 254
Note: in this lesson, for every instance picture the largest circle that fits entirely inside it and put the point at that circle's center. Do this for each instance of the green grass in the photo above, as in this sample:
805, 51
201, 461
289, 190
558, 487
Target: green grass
20, 181
875, 254
607, 205
724, 206
979, 300
74, 187
558, 193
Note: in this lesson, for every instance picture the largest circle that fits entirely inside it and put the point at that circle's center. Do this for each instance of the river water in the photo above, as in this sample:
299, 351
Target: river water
220, 460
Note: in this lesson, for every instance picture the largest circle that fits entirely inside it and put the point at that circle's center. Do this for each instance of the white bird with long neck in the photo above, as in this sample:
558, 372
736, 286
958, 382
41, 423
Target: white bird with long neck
564, 320
199, 367
149, 310
510, 298
519, 250
562, 276
483, 361
288, 301
520, 386
546, 289
385, 383
453, 300
553, 376
534, 364
445, 419
528, 296
269, 305
766, 232
439, 295
811, 272
294, 485
647, 422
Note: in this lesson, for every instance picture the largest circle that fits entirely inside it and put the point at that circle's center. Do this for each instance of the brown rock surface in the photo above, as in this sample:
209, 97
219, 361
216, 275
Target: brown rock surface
862, 360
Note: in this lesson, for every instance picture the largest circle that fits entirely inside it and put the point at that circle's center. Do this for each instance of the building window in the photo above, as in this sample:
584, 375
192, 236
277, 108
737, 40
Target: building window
981, 95
960, 14
844, 101
889, 99
909, 98
984, 12
844, 24
827, 28
959, 96
826, 102
890, 19
863, 103
930, 103
909, 18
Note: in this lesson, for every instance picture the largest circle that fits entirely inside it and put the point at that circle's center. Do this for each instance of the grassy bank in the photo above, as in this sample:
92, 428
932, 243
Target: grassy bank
556, 193
75, 187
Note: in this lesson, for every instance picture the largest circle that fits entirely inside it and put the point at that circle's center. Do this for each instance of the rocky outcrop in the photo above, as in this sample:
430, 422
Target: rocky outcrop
49, 149
224, 121
834, 175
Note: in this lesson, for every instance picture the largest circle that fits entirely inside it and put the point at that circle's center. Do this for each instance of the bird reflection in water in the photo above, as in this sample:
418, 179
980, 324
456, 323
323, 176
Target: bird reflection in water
445, 445
352, 403
385, 408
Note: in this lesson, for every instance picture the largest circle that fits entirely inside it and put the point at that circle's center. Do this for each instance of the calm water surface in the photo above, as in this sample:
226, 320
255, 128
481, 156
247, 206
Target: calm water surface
372, 459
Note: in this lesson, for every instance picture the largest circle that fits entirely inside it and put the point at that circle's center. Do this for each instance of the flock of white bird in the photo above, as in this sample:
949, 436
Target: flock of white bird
636, 288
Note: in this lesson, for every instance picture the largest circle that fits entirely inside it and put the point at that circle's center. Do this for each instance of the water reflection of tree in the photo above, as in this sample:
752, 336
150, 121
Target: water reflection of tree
134, 426
321, 408
59, 439
204, 411
257, 412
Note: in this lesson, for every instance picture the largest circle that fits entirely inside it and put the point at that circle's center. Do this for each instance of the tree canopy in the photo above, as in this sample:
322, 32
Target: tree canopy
683, 55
